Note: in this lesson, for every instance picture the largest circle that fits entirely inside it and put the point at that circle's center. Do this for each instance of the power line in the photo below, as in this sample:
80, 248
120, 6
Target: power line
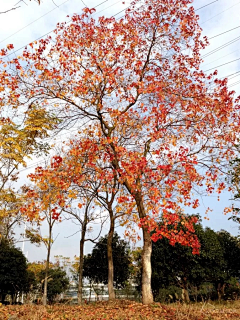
34, 21
236, 74
206, 5
109, 6
54, 29
217, 35
220, 13
206, 64
83, 3
233, 84
221, 47
221, 65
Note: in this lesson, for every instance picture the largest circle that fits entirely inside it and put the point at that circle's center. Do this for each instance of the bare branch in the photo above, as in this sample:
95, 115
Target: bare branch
72, 234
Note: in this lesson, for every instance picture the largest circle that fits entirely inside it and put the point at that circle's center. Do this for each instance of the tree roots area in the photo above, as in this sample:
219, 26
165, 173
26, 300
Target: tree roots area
123, 310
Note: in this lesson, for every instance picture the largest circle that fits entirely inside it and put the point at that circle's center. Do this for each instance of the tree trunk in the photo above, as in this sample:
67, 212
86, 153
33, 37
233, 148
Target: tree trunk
81, 256
147, 296
185, 295
220, 291
185, 290
80, 280
111, 292
47, 266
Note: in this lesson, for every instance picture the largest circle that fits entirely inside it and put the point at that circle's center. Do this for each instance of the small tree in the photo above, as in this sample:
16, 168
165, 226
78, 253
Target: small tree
14, 278
96, 263
43, 205
72, 181
58, 282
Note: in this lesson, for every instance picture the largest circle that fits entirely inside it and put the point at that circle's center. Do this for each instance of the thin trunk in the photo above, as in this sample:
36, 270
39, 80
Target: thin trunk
185, 294
90, 294
111, 292
81, 257
147, 296
2, 298
47, 265
80, 280
220, 291
185, 290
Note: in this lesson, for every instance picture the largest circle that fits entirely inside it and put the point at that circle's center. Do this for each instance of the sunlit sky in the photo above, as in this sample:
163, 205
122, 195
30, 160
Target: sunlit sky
29, 21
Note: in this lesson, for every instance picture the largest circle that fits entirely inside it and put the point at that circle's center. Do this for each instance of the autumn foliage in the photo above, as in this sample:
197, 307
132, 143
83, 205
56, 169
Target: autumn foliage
144, 107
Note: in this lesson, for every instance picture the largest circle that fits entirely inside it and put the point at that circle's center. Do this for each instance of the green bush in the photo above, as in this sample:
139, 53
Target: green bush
169, 294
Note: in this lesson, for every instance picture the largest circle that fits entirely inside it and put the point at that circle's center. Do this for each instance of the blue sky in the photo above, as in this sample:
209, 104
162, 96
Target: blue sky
31, 21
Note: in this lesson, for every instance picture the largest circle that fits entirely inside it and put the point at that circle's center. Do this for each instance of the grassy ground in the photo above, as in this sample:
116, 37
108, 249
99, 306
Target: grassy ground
123, 310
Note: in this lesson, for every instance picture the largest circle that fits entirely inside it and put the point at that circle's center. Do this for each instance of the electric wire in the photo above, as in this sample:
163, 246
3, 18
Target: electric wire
220, 13
221, 65
70, 21
33, 21
217, 35
233, 84
221, 47
206, 64
15, 51
206, 5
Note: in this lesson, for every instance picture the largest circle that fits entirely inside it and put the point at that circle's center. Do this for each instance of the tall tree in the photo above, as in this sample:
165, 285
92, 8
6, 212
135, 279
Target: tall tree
136, 84
107, 199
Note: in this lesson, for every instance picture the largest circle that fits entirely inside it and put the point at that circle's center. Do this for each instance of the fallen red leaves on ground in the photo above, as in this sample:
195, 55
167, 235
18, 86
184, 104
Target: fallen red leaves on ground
123, 310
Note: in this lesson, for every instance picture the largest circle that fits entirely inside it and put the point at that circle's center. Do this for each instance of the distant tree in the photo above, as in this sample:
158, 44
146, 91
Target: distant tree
58, 282
234, 183
231, 253
14, 277
96, 264
218, 263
